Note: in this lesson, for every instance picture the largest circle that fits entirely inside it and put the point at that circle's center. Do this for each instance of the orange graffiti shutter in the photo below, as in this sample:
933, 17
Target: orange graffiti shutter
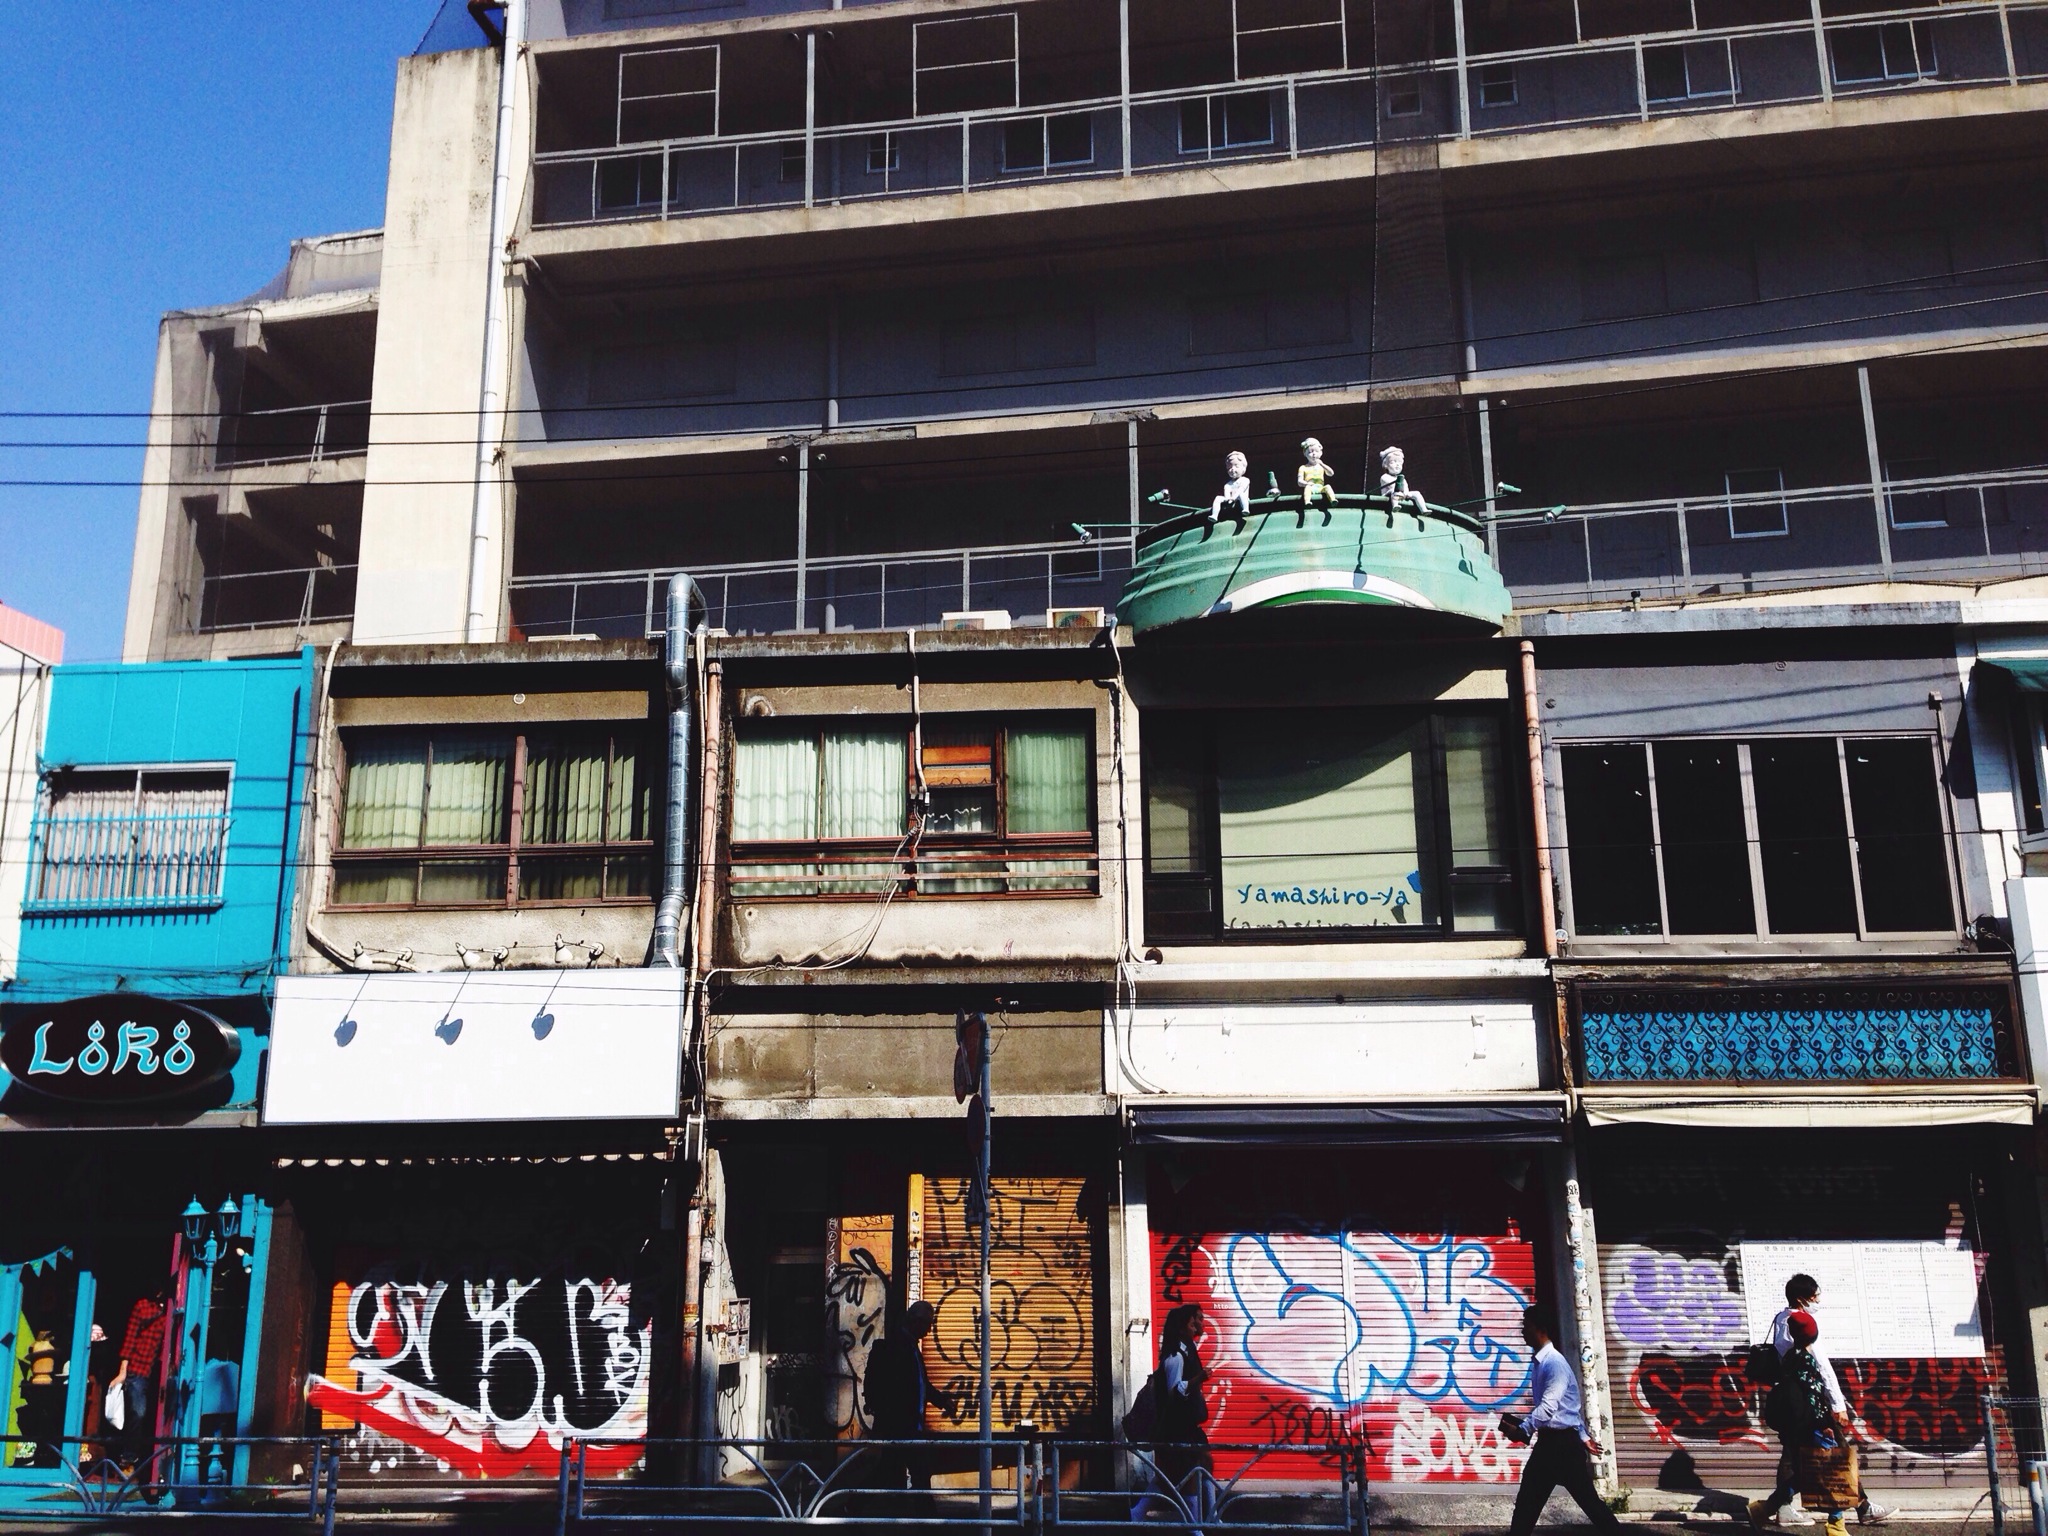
1042, 1279
340, 1350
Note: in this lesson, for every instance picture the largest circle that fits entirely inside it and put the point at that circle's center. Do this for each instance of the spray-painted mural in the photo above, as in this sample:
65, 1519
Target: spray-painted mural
1677, 1335
1042, 1294
483, 1370
1406, 1343
858, 1250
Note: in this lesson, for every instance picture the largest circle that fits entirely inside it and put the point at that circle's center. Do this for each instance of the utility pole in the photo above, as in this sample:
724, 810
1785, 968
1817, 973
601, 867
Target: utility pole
971, 1066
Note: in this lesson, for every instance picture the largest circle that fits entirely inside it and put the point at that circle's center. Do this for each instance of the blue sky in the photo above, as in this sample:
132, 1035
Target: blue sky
155, 155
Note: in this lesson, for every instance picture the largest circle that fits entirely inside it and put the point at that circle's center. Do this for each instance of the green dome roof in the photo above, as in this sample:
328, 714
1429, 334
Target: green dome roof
1359, 552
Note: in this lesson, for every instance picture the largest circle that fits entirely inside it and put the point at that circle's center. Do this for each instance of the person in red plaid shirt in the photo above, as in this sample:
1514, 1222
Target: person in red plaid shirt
142, 1352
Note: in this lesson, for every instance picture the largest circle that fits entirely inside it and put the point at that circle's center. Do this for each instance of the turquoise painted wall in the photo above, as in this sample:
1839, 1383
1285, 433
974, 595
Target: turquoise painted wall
256, 715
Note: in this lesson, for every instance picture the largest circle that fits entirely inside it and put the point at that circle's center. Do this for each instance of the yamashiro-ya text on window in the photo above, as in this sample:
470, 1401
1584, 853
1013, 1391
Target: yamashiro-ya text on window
482, 818
962, 807
1265, 820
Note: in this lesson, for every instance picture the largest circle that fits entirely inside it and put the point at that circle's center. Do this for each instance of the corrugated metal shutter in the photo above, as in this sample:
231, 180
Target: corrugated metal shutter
1339, 1333
1677, 1328
1042, 1277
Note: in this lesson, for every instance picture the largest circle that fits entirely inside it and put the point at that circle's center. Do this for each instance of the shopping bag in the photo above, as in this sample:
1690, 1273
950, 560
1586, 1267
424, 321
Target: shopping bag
1828, 1477
115, 1408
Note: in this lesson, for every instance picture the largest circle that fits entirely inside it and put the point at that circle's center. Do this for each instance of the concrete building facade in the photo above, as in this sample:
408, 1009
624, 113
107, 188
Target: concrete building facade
1597, 869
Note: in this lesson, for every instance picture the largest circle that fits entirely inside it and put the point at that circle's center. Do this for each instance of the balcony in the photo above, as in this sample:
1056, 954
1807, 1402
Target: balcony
1948, 527
294, 434
910, 590
1607, 81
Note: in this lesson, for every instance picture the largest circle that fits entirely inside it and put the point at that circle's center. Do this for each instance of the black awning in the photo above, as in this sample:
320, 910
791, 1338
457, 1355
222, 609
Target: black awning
1448, 1122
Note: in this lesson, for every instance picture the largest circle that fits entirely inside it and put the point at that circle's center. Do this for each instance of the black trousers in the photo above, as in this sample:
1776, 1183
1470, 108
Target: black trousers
1558, 1460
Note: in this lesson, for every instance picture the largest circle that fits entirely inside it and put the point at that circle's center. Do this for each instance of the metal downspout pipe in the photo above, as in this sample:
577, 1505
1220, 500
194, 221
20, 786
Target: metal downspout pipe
478, 627
675, 873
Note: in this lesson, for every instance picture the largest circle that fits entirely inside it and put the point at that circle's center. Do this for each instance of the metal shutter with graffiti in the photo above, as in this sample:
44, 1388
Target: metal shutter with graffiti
1678, 1324
1327, 1328
1042, 1273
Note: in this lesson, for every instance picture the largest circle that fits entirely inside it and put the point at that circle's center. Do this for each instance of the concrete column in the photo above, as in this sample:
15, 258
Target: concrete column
413, 576
1131, 469
803, 528
1130, 1285
1877, 501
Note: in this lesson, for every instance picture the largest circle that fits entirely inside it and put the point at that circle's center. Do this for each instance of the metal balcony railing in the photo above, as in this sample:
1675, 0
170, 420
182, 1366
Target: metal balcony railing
318, 594
1940, 528
911, 590
294, 434
124, 860
1966, 43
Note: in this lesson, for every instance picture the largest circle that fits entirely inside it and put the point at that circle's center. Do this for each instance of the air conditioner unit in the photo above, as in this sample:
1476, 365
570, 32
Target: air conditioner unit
976, 618
1074, 618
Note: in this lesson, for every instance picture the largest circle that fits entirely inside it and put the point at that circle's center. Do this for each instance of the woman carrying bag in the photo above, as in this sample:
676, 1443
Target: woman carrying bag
1801, 1406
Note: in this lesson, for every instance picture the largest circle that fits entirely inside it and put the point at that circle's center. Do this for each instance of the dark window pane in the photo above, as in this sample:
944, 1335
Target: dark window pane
1706, 849
560, 879
460, 882
1804, 837
1608, 840
363, 883
1901, 854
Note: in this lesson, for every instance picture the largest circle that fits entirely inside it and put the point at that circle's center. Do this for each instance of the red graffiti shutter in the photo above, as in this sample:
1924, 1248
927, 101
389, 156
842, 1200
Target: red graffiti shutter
1042, 1277
1676, 1317
1338, 1321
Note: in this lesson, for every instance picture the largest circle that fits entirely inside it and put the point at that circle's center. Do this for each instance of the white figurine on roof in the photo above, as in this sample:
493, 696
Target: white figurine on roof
1237, 490
1394, 484
1314, 475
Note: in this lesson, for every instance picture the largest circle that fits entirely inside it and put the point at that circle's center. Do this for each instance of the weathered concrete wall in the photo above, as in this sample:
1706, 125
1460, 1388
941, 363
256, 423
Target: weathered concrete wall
921, 927
782, 1057
414, 565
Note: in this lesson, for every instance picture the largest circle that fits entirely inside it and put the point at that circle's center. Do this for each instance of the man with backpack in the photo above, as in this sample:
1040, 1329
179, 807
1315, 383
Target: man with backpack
1766, 1368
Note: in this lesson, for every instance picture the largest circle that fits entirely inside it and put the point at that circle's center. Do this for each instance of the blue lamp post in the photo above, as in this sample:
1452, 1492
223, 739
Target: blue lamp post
206, 1235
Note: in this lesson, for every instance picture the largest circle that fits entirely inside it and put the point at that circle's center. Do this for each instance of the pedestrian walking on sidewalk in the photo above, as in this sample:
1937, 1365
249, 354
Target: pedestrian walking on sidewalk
1555, 1432
1802, 1411
1802, 1292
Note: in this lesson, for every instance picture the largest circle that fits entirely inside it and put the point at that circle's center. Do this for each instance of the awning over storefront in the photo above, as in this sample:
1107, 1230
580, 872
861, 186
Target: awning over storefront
1865, 1109
1530, 1118
2029, 673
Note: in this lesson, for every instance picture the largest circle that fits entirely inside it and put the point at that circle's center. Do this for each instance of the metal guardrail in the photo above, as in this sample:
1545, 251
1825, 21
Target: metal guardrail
1937, 527
294, 434
1033, 1484
69, 1477
128, 860
842, 592
2016, 1463
314, 594
1970, 42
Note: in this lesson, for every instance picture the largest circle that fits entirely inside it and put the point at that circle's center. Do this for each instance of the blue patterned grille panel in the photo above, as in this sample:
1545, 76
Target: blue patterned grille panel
1780, 1039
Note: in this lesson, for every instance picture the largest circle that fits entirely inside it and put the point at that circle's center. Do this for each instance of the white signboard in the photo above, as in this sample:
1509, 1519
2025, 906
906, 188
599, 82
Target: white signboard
475, 1045
1326, 1050
1878, 1301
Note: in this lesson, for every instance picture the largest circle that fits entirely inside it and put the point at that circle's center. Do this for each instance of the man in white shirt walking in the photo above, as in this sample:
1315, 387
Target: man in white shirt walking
1555, 1430
1801, 1294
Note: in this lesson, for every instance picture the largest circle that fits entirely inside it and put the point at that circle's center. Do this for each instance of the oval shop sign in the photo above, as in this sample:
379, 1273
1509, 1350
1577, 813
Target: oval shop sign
119, 1048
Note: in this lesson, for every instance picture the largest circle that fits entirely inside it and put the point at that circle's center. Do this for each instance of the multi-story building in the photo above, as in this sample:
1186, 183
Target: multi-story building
1387, 912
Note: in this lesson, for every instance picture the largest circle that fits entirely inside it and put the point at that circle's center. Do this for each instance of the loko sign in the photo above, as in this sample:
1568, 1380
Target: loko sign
118, 1048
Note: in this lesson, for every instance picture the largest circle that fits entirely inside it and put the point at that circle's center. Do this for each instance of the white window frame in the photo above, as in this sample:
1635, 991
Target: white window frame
1784, 528
1239, 31
919, 70
1759, 900
1514, 95
33, 903
717, 85
1893, 475
890, 148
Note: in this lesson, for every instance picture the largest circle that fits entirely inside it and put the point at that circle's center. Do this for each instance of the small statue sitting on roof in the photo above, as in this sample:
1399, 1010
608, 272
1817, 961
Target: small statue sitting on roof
1394, 484
1314, 476
1237, 490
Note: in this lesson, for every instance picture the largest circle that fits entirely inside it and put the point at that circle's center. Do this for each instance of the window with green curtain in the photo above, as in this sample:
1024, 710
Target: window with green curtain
1045, 789
775, 799
382, 803
564, 803
1045, 777
1325, 825
866, 795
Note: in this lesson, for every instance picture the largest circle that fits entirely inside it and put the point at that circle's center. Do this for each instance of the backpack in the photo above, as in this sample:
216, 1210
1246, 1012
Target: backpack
1142, 1422
1764, 1366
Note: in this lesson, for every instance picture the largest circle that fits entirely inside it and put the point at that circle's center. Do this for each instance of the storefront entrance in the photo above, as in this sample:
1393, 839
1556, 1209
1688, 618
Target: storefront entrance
130, 1338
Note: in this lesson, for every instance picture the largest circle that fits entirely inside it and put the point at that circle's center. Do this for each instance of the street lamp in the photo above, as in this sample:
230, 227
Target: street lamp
206, 1234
